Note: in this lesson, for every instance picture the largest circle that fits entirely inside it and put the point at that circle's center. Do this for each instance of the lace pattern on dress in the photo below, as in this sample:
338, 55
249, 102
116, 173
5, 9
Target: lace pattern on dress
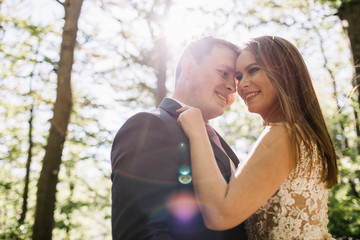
298, 210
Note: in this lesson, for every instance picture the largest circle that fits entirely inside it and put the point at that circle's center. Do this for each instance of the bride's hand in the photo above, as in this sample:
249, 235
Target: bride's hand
190, 119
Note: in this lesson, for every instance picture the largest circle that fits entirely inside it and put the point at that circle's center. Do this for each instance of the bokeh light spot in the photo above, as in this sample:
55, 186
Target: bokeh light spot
185, 179
184, 170
183, 206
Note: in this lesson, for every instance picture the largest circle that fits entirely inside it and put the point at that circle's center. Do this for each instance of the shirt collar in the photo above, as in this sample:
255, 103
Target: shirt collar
179, 102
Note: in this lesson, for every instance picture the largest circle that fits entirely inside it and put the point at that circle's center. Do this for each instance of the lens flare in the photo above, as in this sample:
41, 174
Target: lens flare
185, 179
184, 170
183, 206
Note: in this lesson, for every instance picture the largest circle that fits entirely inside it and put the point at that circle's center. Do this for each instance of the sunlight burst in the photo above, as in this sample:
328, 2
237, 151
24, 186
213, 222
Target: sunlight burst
181, 27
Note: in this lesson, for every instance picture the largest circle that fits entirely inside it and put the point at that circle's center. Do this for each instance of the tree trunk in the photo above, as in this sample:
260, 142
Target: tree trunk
161, 71
46, 193
349, 11
161, 47
28, 164
344, 141
31, 146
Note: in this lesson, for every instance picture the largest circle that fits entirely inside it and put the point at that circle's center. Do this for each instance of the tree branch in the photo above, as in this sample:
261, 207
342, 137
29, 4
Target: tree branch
60, 3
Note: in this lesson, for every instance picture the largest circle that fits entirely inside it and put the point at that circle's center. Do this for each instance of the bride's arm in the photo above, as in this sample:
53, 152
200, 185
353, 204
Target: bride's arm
226, 205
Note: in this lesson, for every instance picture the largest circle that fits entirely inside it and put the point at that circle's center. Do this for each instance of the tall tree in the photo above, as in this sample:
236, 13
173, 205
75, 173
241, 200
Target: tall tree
21, 62
348, 10
28, 164
157, 56
161, 49
35, 31
46, 193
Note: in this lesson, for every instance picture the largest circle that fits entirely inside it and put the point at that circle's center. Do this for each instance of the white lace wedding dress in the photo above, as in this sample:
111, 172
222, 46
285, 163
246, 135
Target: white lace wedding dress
298, 210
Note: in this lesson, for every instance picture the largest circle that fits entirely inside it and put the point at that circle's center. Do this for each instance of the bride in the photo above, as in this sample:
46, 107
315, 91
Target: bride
281, 189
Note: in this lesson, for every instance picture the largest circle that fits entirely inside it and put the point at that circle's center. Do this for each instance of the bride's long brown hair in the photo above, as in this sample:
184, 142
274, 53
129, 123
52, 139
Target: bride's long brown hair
300, 108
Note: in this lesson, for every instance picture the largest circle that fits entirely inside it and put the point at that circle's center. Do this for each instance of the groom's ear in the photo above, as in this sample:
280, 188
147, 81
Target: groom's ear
187, 67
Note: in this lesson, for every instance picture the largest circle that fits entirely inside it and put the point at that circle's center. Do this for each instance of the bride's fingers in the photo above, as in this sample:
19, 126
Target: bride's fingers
183, 109
179, 122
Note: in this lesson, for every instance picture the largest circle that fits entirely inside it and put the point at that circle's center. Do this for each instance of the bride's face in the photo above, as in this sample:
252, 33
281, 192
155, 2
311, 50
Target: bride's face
255, 87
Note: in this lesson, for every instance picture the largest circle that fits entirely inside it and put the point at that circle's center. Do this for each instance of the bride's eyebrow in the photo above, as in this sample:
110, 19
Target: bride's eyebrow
250, 65
247, 67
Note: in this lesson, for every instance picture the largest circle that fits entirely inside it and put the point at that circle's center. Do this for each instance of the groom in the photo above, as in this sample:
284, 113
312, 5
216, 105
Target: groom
152, 191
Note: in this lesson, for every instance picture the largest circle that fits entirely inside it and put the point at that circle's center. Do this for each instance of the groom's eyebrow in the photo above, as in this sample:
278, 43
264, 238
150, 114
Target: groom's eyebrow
229, 69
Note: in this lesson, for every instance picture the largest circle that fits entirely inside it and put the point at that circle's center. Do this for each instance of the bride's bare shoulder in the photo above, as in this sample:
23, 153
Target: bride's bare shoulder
275, 134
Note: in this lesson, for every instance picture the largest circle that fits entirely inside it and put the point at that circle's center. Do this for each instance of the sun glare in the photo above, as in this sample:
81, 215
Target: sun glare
181, 26
189, 20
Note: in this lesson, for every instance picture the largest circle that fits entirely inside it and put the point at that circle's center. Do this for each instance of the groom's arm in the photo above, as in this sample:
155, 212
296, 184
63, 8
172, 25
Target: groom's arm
144, 177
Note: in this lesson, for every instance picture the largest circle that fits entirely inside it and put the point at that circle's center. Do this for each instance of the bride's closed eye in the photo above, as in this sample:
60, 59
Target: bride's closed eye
253, 70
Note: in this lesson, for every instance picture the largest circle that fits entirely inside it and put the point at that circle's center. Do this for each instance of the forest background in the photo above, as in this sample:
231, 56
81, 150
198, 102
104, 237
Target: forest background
73, 71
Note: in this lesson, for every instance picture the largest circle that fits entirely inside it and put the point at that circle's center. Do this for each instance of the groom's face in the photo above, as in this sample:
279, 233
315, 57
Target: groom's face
211, 84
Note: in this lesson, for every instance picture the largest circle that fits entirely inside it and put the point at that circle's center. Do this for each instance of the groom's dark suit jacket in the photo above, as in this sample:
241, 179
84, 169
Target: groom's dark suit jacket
152, 192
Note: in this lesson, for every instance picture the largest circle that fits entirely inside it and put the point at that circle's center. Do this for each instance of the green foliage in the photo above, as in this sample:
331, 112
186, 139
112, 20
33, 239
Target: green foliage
115, 76
336, 3
344, 202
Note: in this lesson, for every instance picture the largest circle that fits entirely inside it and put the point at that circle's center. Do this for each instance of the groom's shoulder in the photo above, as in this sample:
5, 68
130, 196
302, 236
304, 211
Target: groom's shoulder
154, 114
147, 118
